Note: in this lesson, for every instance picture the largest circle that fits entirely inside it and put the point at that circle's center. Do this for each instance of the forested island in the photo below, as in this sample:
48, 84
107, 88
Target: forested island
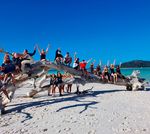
135, 64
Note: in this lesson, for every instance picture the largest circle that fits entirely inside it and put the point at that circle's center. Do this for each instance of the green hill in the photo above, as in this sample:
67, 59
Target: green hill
135, 64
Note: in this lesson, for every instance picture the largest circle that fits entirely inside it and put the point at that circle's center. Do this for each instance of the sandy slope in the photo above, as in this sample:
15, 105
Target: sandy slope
108, 110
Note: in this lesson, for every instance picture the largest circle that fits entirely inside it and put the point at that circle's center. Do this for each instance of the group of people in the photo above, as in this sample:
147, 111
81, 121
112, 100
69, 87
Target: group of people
56, 81
19, 62
108, 73
15, 63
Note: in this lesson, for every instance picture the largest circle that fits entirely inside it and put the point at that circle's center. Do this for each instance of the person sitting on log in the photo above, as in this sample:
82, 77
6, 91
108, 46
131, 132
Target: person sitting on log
27, 59
119, 74
76, 62
83, 65
8, 68
113, 73
92, 67
58, 56
43, 53
98, 70
106, 74
67, 59
17, 61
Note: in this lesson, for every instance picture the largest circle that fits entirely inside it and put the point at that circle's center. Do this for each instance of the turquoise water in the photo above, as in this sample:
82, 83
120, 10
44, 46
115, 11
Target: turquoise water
144, 72
54, 71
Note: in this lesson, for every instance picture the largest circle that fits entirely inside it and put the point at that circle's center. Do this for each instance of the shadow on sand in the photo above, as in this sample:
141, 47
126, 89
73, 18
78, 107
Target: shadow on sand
19, 108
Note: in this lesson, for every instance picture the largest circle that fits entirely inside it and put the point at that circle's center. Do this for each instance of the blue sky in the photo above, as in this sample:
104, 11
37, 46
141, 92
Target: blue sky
98, 29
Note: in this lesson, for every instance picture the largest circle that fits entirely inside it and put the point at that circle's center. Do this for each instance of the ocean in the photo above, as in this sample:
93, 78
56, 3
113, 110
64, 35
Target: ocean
144, 72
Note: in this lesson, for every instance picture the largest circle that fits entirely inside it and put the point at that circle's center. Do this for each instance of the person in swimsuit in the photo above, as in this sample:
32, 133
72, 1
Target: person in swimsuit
52, 85
106, 73
59, 82
119, 74
43, 53
113, 73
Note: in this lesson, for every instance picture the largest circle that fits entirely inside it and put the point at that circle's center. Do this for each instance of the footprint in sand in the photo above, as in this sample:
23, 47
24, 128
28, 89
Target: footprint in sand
23, 131
66, 121
38, 118
67, 129
92, 132
74, 122
36, 126
144, 130
59, 131
91, 115
44, 130
45, 109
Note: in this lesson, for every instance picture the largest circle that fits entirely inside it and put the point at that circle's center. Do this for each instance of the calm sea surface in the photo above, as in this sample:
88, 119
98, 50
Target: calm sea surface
144, 72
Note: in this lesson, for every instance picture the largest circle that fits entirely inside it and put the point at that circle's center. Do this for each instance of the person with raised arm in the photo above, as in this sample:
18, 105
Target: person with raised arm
27, 59
83, 64
76, 62
92, 67
43, 52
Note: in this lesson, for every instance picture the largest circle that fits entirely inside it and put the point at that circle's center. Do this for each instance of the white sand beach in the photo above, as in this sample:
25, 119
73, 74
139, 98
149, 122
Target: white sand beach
108, 109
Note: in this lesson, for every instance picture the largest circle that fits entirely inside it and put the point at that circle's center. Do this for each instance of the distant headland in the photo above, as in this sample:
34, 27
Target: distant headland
135, 64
